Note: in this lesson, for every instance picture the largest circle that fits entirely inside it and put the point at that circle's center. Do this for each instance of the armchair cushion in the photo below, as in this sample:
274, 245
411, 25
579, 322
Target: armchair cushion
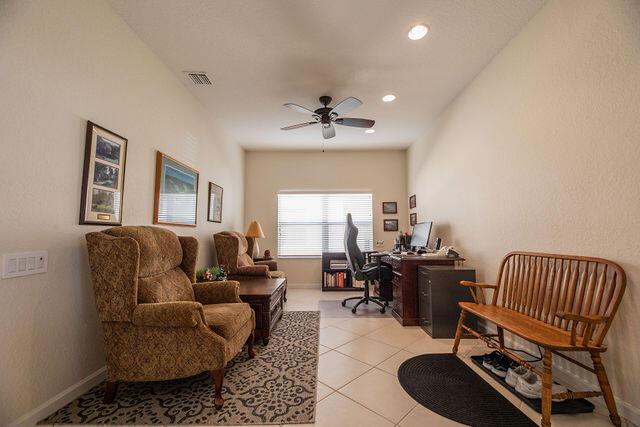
228, 318
244, 260
160, 249
275, 274
254, 270
217, 292
172, 285
176, 314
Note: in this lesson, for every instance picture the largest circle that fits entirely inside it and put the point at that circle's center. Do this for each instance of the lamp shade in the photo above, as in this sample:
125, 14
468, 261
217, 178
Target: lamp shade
255, 230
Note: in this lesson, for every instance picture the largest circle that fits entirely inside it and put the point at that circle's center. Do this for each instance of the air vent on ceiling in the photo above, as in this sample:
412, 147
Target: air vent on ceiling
199, 77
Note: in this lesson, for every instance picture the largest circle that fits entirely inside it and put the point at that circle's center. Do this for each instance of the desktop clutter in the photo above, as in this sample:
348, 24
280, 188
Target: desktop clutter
417, 243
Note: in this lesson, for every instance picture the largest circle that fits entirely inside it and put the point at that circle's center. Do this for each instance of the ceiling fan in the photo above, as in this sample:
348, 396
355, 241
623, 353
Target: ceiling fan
327, 116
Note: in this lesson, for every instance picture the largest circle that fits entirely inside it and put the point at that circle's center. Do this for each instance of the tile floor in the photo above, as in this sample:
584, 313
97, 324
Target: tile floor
359, 359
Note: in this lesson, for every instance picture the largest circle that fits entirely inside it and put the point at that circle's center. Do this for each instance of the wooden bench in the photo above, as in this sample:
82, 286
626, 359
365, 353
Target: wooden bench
559, 302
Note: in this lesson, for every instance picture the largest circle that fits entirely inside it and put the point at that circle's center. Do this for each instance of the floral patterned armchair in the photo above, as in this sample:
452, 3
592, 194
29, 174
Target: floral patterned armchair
158, 324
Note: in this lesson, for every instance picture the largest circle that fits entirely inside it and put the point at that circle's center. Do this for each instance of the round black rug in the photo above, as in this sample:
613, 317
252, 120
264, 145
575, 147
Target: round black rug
445, 385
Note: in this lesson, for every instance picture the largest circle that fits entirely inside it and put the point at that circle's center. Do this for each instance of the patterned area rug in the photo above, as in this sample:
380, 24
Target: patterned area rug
277, 387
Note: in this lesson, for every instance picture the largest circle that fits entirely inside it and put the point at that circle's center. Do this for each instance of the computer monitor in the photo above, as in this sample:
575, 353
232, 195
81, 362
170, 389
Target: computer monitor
420, 234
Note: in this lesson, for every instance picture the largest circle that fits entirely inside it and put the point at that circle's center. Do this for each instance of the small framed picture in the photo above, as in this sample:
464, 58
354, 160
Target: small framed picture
389, 207
412, 202
105, 155
176, 195
413, 219
214, 210
390, 225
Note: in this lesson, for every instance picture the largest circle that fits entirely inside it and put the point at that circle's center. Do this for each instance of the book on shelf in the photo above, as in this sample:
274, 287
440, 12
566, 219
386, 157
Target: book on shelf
335, 280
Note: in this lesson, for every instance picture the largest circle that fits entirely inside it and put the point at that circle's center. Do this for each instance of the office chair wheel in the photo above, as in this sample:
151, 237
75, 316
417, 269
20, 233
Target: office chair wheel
382, 310
344, 303
353, 310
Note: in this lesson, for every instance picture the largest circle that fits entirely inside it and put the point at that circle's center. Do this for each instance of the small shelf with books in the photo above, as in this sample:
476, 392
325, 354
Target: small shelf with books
336, 275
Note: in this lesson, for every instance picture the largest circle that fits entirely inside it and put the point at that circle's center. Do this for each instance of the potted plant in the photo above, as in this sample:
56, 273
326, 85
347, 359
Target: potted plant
211, 274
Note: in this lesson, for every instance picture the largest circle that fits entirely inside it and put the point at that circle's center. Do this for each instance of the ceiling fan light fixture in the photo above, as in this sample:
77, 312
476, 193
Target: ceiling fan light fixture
389, 98
370, 131
418, 31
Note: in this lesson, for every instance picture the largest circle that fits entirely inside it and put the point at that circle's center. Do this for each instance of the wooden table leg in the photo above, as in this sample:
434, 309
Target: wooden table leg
547, 384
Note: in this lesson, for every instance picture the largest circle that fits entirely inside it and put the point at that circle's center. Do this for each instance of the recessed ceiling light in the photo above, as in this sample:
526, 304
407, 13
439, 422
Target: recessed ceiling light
418, 31
370, 131
389, 98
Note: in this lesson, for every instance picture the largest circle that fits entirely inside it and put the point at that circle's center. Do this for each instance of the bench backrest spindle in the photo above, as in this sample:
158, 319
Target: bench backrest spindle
540, 285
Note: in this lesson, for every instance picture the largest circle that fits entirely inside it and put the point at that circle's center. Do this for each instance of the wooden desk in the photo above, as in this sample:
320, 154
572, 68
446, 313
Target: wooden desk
266, 298
405, 283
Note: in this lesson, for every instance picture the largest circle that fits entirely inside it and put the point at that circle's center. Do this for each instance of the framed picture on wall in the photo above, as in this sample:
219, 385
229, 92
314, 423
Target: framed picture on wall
214, 209
412, 202
413, 219
105, 155
389, 207
390, 225
176, 195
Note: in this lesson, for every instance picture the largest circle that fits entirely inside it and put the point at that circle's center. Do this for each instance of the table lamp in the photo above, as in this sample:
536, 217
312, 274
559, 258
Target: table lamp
255, 231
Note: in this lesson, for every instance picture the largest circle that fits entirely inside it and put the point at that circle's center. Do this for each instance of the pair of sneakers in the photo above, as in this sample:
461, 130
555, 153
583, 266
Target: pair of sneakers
528, 383
497, 363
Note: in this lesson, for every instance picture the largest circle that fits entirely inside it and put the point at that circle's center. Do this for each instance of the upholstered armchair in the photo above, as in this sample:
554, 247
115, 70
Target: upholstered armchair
158, 324
234, 251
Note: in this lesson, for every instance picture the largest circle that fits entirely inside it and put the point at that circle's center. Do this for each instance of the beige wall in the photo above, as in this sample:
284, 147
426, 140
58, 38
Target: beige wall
541, 152
61, 64
383, 173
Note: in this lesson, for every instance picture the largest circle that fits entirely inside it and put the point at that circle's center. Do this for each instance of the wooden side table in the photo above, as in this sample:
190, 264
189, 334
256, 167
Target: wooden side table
266, 298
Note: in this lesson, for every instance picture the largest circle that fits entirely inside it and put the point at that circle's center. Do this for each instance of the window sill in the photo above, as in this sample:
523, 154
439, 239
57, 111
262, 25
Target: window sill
300, 257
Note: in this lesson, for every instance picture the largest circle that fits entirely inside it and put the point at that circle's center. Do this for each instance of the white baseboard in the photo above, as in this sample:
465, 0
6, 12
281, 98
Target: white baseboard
61, 399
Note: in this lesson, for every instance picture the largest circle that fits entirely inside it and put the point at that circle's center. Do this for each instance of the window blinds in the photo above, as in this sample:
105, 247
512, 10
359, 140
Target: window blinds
312, 223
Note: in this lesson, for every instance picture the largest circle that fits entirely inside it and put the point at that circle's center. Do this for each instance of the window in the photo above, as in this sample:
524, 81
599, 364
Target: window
312, 223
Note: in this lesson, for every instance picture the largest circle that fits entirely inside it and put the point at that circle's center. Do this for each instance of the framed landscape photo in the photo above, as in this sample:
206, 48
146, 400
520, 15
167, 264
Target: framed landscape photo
390, 225
413, 219
412, 202
105, 155
214, 210
389, 207
176, 195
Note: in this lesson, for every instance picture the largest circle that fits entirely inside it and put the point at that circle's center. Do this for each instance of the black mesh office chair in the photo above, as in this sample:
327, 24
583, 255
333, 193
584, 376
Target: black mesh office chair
360, 270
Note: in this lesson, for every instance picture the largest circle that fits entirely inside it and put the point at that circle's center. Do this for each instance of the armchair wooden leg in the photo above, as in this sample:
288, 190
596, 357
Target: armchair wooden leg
607, 393
459, 331
250, 349
547, 385
218, 378
110, 388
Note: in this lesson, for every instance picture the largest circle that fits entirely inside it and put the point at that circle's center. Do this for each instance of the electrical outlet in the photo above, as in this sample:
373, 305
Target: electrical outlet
24, 263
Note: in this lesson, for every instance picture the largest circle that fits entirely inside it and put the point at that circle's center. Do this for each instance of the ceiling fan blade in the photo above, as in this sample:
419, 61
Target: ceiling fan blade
299, 109
299, 125
356, 123
328, 132
345, 106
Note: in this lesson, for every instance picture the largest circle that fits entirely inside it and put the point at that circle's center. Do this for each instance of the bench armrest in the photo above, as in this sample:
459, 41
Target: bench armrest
476, 290
587, 331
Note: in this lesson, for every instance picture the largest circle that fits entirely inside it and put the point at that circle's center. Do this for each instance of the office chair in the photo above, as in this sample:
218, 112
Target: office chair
360, 270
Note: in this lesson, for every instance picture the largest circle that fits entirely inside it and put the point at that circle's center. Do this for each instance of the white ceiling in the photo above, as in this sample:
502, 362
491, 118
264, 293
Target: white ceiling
263, 53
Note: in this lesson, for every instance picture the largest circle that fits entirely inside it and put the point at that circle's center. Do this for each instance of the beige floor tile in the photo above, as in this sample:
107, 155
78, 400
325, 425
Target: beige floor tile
338, 410
333, 337
392, 364
322, 349
428, 345
397, 335
363, 326
382, 393
329, 321
335, 369
367, 350
421, 417
323, 391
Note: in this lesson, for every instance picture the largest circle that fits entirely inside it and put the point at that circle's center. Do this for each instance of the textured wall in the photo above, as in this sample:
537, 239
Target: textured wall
383, 173
63, 63
541, 152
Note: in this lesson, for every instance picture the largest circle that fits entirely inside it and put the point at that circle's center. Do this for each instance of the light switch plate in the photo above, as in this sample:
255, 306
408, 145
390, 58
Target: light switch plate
24, 263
